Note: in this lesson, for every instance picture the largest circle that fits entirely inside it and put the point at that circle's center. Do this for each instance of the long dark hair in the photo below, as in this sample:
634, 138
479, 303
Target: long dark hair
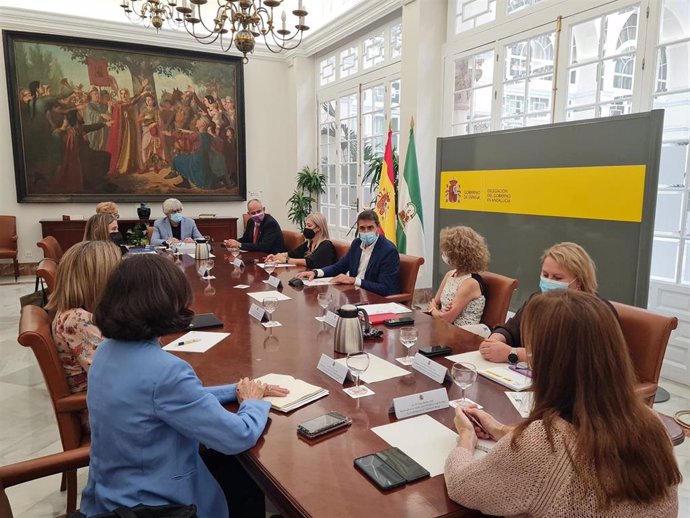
583, 374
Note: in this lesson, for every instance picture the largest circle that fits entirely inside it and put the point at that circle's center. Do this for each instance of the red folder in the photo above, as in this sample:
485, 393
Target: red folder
378, 319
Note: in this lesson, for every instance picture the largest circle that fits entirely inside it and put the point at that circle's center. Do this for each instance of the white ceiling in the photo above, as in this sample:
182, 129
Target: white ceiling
320, 11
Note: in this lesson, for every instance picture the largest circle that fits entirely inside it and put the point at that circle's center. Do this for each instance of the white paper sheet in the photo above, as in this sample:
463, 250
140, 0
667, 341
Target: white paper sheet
473, 357
477, 329
379, 370
321, 281
389, 307
261, 295
204, 341
281, 265
522, 401
423, 438
192, 255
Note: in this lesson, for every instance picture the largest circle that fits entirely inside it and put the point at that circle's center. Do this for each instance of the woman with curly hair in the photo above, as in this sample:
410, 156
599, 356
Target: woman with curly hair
460, 298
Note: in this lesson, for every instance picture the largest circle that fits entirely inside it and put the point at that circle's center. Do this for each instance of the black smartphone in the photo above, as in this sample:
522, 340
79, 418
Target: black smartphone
379, 472
323, 424
403, 464
397, 322
435, 350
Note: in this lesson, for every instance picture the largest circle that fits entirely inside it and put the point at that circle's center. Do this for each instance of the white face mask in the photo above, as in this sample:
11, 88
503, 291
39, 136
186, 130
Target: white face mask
444, 258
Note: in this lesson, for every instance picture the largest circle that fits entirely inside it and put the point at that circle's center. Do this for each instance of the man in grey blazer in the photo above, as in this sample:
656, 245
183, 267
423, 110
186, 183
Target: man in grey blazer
174, 227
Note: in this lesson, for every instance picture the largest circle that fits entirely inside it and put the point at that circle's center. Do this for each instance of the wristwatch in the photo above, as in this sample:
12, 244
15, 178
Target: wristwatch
512, 356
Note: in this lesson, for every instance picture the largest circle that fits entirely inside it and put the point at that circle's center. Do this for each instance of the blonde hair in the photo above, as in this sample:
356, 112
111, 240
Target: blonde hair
97, 227
107, 207
319, 220
82, 275
465, 249
573, 258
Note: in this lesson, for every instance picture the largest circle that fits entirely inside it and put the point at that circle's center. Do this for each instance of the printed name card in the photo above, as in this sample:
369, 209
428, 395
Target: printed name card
257, 312
333, 369
273, 281
421, 403
331, 318
430, 368
238, 262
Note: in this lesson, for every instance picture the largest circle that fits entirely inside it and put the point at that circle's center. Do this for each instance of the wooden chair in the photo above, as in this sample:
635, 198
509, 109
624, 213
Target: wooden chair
499, 292
409, 268
47, 270
647, 335
33, 469
34, 332
51, 248
292, 239
341, 248
149, 232
8, 241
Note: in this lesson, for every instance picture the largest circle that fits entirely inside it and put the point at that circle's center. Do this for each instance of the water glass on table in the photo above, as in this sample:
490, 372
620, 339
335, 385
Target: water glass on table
464, 375
270, 304
357, 363
324, 300
408, 337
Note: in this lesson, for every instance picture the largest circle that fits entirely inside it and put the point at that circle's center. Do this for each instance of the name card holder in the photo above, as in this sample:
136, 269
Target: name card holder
237, 262
333, 369
257, 312
331, 318
421, 403
430, 368
274, 282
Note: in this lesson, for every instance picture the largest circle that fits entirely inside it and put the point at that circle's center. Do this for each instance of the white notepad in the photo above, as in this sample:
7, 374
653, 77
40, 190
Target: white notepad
498, 372
300, 394
195, 342
379, 370
321, 281
259, 296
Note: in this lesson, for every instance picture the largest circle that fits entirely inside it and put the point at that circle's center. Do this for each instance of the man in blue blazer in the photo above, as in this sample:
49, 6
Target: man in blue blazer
174, 227
372, 263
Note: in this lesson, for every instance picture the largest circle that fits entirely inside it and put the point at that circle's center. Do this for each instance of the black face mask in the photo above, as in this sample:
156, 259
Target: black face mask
308, 233
116, 238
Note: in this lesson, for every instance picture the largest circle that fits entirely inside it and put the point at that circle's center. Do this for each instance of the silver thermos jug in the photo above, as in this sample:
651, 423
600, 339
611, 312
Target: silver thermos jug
348, 331
201, 252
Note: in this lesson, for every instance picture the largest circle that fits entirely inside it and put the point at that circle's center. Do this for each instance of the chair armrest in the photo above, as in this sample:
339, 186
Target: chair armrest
14, 237
400, 297
44, 466
70, 404
646, 391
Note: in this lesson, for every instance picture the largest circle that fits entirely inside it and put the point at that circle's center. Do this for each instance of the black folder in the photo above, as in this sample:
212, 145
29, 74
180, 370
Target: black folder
203, 320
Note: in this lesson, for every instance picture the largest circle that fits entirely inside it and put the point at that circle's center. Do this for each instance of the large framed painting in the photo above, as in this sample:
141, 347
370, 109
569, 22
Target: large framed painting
94, 120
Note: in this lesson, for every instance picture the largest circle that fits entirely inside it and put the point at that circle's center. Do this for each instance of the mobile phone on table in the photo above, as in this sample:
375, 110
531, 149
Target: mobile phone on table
435, 350
379, 472
397, 322
405, 465
323, 424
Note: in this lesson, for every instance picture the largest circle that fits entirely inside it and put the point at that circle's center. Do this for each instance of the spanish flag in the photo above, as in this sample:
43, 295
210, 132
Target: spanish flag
385, 201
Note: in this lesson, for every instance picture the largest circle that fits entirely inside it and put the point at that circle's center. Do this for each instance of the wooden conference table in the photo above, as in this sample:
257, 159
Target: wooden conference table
318, 479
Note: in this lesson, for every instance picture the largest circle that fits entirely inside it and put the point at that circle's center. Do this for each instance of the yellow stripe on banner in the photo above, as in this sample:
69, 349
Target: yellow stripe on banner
612, 193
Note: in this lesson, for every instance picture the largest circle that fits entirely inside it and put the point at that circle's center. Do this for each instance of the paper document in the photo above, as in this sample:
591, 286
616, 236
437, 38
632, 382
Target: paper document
477, 329
473, 357
193, 255
184, 248
423, 438
498, 372
379, 370
300, 394
195, 342
261, 295
388, 307
522, 401
321, 281
280, 265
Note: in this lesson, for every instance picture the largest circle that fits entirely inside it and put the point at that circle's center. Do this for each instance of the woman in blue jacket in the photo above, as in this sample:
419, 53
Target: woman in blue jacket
149, 412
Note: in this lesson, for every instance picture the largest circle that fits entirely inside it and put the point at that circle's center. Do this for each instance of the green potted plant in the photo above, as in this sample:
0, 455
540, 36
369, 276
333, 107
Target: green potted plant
137, 236
310, 183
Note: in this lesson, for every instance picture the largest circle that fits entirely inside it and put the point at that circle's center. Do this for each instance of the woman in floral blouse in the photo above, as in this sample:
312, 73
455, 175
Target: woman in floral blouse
81, 278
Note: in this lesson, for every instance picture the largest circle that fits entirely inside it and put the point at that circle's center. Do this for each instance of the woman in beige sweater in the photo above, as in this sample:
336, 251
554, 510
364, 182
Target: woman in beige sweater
590, 448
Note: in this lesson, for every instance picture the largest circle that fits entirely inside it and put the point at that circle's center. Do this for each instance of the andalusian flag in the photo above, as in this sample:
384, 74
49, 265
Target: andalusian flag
385, 201
410, 221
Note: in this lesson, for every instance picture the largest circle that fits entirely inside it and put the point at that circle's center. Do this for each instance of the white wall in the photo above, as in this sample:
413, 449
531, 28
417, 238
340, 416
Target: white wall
270, 131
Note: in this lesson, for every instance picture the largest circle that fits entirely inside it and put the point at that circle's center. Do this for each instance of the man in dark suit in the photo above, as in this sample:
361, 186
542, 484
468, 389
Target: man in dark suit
263, 233
372, 263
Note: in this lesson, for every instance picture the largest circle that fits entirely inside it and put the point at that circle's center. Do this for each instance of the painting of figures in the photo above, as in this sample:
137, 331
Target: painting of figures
95, 119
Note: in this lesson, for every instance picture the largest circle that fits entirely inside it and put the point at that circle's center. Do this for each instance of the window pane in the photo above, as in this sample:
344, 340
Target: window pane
668, 211
620, 31
374, 50
672, 67
480, 126
539, 94
537, 120
664, 257
396, 41
395, 92
516, 60
622, 107
327, 70
576, 115
473, 13
673, 164
514, 98
582, 88
584, 44
483, 69
616, 77
515, 5
327, 111
676, 116
348, 62
515, 122
686, 264
481, 102
541, 54
675, 21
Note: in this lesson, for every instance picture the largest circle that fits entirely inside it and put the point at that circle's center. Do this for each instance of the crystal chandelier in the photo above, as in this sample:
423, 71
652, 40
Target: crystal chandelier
238, 21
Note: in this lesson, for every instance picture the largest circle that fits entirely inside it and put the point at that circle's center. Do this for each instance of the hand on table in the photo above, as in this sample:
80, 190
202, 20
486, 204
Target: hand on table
493, 429
467, 438
494, 350
249, 389
277, 257
343, 279
231, 243
275, 391
307, 274
188, 240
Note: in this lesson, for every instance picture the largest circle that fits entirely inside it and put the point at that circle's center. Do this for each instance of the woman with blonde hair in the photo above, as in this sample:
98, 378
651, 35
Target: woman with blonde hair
317, 251
589, 447
100, 227
563, 266
460, 298
108, 207
81, 277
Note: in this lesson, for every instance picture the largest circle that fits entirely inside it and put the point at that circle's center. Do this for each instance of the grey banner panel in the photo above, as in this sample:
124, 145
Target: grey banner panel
621, 250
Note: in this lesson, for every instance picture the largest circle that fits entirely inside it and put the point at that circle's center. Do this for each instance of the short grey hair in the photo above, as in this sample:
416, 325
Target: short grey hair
257, 200
171, 205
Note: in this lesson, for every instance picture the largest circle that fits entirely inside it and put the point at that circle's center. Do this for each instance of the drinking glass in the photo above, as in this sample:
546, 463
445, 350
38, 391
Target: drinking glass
208, 265
408, 337
270, 266
324, 300
209, 290
270, 304
464, 375
234, 251
357, 363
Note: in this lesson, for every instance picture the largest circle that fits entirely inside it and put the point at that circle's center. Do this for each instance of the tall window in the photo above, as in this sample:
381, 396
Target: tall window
473, 93
602, 64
